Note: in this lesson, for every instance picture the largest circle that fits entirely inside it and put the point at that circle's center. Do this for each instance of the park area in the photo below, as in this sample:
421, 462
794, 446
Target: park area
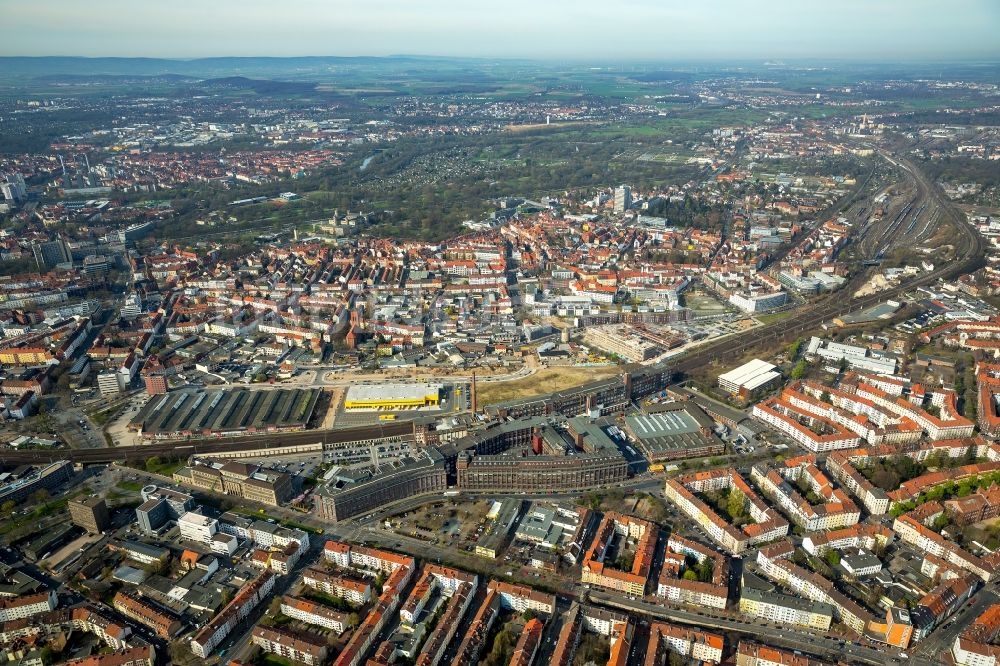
449, 521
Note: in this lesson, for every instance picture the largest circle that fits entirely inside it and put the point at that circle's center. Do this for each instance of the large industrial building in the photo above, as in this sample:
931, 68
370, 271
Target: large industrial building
530, 455
215, 413
393, 396
525, 447
673, 431
350, 492
540, 473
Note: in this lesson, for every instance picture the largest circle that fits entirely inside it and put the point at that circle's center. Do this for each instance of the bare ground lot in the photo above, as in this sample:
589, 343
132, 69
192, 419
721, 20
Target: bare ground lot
546, 380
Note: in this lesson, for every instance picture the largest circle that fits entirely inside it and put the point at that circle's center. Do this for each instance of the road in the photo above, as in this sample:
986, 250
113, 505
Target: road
931, 648
330, 378
568, 587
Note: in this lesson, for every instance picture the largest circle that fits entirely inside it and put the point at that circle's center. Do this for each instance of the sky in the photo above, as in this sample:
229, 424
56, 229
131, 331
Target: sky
889, 30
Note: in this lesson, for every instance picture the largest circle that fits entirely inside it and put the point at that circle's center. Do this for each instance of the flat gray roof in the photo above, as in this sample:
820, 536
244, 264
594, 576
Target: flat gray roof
672, 429
388, 392
787, 601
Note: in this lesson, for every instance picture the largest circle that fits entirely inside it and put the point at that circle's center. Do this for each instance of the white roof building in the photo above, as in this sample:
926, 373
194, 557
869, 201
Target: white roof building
750, 377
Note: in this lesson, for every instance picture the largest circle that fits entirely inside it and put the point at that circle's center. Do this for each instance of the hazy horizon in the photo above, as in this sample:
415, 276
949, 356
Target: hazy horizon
631, 30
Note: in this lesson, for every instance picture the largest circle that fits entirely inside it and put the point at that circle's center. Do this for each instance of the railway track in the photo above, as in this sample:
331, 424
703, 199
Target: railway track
969, 245
200, 446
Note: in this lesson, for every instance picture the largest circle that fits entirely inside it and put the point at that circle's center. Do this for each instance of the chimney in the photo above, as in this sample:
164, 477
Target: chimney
475, 402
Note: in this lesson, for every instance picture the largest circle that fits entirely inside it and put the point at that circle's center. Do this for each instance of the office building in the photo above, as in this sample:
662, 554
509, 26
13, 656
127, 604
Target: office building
540, 472
197, 527
178, 503
857, 358
51, 253
246, 480
152, 515
623, 198
110, 383
621, 340
90, 513
14, 189
156, 384
132, 306
353, 492
26, 479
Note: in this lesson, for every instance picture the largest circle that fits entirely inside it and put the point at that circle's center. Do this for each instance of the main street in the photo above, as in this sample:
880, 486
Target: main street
795, 639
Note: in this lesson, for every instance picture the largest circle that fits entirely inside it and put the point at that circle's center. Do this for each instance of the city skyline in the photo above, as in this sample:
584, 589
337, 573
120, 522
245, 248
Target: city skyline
634, 30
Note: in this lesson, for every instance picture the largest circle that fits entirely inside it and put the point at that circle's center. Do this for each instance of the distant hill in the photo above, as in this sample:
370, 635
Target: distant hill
206, 68
116, 79
261, 86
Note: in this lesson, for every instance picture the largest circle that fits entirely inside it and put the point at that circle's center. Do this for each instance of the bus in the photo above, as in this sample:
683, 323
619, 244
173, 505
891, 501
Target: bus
386, 417
656, 467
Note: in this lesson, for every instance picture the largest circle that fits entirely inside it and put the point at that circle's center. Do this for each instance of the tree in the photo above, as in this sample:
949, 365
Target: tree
690, 574
152, 463
800, 369
47, 655
503, 648
736, 503
940, 522
275, 606
40, 495
832, 557
353, 619
794, 348
7, 508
